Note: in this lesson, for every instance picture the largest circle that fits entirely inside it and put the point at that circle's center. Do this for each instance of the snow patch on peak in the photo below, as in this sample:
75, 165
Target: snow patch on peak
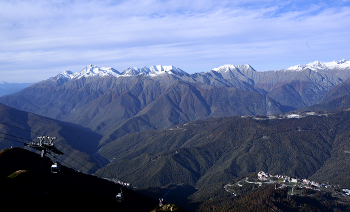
153, 71
88, 71
92, 70
341, 64
228, 67
134, 71
65, 74
157, 70
318, 65
342, 61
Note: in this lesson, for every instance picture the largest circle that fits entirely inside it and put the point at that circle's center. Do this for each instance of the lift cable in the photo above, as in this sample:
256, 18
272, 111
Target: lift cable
57, 143
93, 164
50, 154
41, 135
31, 141
20, 128
38, 134
15, 137
12, 140
72, 151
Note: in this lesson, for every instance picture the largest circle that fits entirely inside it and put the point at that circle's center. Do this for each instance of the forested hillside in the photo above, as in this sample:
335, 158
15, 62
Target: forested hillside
204, 152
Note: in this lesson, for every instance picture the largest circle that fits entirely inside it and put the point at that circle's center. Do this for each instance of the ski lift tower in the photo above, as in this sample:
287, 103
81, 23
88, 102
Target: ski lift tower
45, 145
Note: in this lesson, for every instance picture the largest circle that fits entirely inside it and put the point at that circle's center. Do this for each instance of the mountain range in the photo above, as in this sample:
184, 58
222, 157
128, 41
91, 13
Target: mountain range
161, 125
113, 103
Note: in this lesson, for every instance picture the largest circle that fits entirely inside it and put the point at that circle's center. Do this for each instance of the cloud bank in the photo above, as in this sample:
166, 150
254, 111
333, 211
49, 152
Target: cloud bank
44, 38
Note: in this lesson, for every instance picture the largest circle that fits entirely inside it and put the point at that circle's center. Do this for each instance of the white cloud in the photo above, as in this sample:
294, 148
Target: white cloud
55, 35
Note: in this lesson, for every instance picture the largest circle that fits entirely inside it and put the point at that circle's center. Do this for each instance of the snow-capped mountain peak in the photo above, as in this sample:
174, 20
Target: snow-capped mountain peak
317, 65
228, 68
153, 71
88, 71
92, 70
133, 71
65, 75
157, 70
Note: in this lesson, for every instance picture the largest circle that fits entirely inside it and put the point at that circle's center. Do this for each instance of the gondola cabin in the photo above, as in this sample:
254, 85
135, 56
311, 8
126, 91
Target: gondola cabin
55, 168
120, 197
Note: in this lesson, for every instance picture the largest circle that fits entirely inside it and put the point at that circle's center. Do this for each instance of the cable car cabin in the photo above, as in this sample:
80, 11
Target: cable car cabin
55, 168
120, 197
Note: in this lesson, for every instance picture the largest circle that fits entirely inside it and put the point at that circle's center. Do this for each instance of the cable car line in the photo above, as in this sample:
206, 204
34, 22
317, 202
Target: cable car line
20, 128
73, 151
25, 143
14, 136
12, 140
56, 167
60, 144
41, 135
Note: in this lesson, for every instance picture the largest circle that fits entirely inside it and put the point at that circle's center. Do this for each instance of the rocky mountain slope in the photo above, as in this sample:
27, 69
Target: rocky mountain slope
338, 97
115, 103
343, 89
108, 104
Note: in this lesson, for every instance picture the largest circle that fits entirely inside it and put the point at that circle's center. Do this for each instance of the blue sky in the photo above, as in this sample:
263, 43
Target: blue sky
41, 38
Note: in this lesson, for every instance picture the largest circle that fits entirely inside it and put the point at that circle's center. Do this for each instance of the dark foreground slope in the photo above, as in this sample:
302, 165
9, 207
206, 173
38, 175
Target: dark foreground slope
77, 143
65, 191
217, 150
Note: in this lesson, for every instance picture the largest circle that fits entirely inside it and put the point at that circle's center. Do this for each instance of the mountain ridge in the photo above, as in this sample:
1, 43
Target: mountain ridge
316, 81
92, 70
318, 65
114, 106
215, 150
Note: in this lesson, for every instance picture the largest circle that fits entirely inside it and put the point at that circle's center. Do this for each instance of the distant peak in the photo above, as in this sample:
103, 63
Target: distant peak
342, 61
159, 69
229, 67
152, 71
318, 65
65, 74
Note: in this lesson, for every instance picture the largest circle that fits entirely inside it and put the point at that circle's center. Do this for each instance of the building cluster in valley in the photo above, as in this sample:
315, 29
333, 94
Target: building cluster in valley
290, 115
301, 183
